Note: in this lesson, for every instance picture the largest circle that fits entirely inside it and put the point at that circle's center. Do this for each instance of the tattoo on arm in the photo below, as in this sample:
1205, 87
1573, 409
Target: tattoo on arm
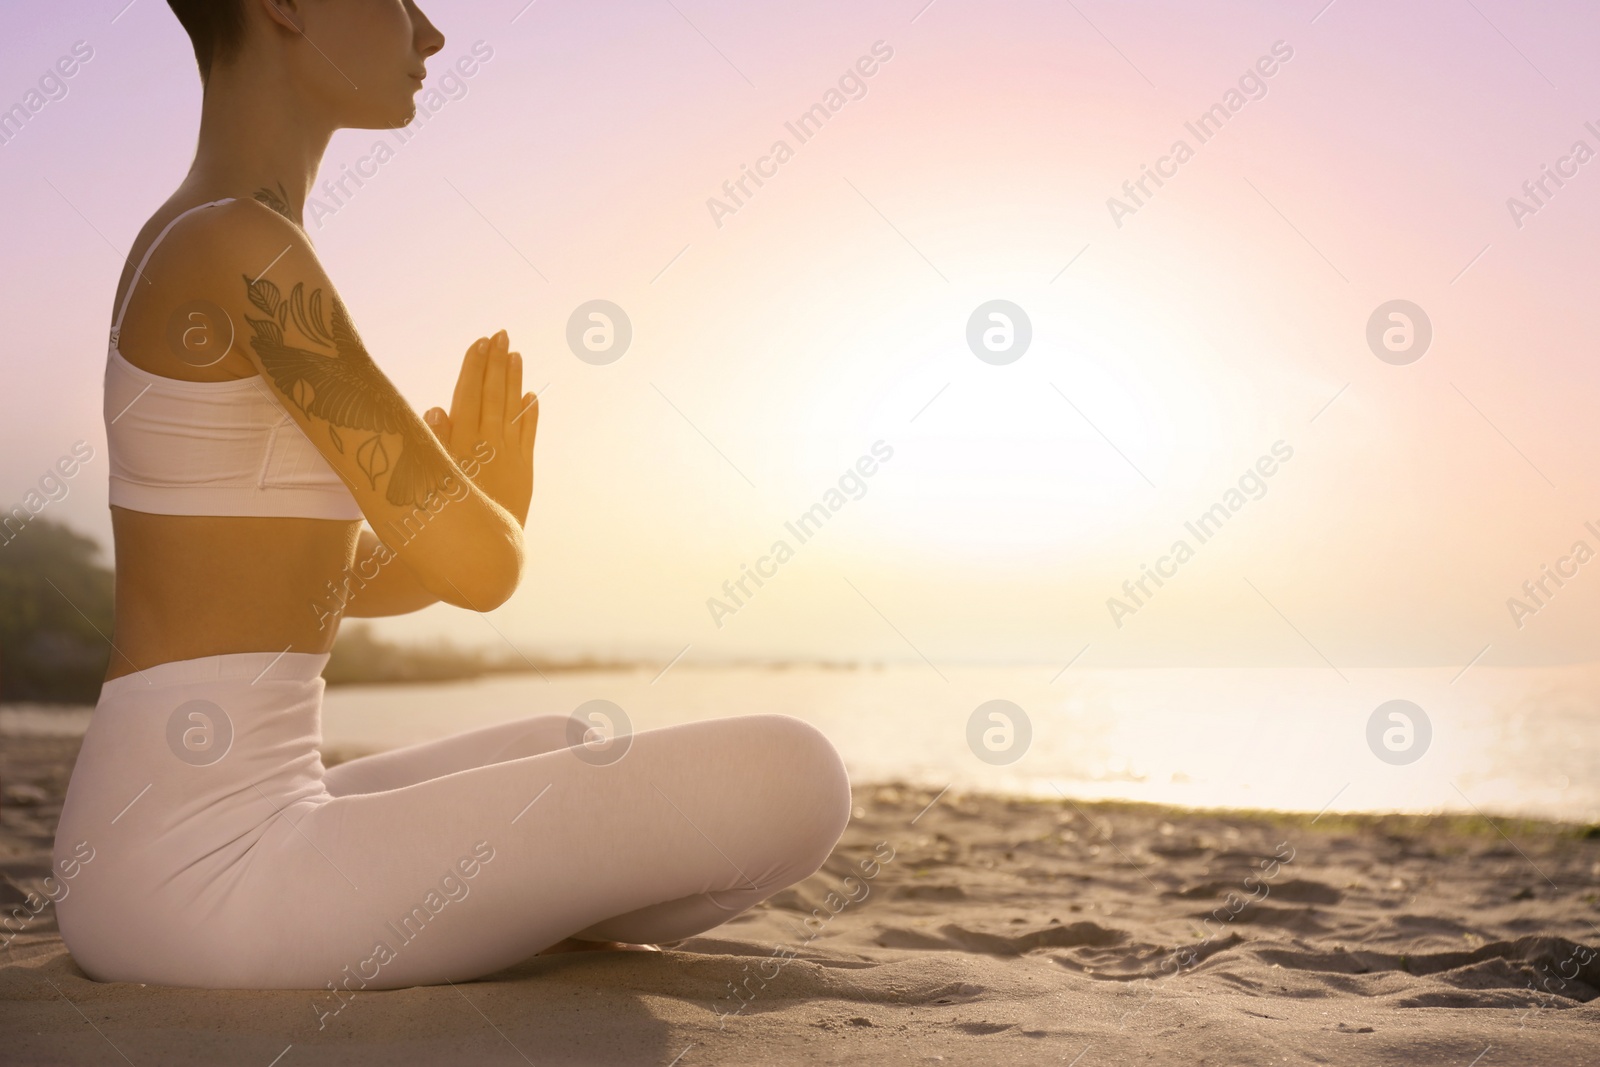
277, 201
336, 380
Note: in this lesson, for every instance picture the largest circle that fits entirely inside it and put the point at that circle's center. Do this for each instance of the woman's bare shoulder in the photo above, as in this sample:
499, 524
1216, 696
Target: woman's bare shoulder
197, 268
235, 231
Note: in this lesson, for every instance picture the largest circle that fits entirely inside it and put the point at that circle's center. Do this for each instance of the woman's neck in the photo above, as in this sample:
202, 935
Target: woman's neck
258, 138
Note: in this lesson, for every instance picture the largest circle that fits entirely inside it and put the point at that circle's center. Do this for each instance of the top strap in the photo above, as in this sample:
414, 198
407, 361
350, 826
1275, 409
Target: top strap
138, 272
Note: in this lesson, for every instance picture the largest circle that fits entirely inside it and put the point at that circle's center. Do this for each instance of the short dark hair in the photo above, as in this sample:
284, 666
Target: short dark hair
216, 28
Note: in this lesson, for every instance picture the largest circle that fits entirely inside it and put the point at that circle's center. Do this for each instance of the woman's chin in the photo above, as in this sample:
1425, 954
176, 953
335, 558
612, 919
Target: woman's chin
390, 118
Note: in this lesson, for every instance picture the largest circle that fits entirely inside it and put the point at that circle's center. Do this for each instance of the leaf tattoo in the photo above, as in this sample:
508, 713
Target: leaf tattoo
373, 459
346, 389
309, 322
264, 295
277, 201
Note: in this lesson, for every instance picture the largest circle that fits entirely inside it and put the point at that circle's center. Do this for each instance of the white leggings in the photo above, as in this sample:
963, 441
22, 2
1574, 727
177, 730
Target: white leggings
221, 854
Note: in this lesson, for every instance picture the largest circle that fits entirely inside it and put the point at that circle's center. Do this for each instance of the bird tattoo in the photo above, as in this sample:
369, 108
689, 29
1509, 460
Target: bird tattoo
345, 389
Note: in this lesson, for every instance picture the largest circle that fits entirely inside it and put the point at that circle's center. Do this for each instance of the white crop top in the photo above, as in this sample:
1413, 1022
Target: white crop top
209, 448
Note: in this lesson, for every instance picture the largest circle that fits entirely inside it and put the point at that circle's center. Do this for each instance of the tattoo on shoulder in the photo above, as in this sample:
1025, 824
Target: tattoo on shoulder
277, 201
328, 374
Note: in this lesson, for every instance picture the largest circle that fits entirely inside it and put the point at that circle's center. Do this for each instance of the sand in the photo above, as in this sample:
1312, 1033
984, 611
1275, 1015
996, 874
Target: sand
953, 929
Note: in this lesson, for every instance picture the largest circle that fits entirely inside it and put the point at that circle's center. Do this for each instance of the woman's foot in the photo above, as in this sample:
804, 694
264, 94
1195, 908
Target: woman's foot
572, 944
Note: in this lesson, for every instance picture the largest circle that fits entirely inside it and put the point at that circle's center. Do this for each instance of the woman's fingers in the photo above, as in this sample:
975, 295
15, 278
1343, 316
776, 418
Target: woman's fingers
513, 383
527, 424
521, 415
439, 423
492, 419
466, 407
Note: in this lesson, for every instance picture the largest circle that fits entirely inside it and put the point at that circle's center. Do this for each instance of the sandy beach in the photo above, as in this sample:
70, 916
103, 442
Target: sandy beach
951, 929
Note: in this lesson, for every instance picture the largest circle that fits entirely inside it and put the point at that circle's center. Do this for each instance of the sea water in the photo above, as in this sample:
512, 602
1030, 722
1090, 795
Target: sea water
1498, 740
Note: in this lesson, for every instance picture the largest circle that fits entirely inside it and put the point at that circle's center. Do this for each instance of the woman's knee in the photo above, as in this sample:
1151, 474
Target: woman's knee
814, 786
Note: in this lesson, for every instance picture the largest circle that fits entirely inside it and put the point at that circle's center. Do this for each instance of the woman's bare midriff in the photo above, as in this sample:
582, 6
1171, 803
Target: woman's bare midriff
189, 586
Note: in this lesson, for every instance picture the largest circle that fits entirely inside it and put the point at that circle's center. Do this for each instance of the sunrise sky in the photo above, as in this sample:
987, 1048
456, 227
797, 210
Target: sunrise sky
1176, 339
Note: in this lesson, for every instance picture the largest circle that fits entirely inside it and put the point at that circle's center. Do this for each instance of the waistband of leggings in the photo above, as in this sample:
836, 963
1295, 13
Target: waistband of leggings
250, 667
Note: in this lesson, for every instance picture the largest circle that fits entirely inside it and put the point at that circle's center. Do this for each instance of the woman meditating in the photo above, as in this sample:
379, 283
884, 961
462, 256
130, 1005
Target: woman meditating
267, 480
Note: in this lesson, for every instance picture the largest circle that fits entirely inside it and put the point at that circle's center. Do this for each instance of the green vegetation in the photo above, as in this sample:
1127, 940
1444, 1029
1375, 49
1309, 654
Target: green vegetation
360, 657
1393, 825
55, 610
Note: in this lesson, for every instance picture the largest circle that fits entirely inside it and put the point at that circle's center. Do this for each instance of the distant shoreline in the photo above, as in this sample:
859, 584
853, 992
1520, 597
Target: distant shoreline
360, 658
419, 665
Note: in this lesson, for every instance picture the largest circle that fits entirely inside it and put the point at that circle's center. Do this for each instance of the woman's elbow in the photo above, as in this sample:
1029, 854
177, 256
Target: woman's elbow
484, 580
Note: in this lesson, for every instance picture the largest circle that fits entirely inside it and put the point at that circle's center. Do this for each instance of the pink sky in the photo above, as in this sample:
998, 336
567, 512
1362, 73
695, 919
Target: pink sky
826, 313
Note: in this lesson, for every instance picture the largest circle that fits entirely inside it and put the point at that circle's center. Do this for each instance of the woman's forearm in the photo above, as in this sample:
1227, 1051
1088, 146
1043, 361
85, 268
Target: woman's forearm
460, 542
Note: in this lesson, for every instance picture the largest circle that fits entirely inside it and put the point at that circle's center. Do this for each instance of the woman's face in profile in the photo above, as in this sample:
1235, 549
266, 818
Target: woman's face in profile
367, 58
